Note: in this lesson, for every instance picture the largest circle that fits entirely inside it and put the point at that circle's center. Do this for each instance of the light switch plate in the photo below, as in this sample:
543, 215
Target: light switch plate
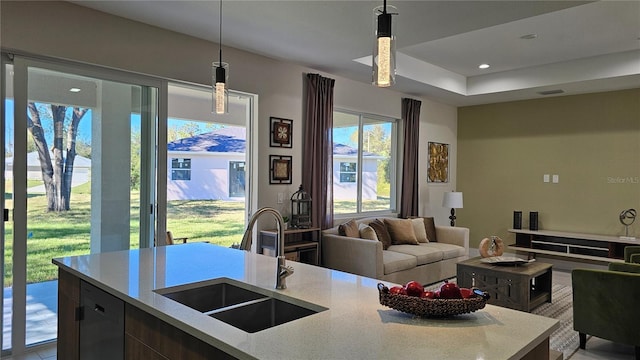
280, 198
545, 178
556, 179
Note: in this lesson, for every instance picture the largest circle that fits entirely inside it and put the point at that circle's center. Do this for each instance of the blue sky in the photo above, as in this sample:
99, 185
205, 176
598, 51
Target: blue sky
340, 135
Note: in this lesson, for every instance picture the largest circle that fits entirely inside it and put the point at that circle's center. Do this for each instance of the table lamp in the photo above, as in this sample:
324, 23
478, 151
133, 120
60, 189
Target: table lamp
452, 200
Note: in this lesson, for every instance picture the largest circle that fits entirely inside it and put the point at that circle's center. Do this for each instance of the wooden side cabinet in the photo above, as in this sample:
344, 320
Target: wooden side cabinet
301, 245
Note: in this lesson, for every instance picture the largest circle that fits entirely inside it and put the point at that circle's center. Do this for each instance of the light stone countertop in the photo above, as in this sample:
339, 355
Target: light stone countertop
355, 326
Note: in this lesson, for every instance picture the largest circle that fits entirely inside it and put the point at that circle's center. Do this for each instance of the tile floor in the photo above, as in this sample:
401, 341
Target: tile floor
597, 349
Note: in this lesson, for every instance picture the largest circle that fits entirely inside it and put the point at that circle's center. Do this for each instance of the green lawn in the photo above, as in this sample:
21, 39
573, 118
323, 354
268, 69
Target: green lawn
53, 234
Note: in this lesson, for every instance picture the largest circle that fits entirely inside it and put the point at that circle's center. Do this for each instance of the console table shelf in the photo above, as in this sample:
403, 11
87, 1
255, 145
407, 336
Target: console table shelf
572, 245
299, 244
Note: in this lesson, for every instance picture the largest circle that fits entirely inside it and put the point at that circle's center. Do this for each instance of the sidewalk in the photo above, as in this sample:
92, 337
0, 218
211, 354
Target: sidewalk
42, 313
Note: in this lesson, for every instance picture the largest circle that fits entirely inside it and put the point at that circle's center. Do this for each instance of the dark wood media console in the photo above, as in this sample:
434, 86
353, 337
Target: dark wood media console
572, 245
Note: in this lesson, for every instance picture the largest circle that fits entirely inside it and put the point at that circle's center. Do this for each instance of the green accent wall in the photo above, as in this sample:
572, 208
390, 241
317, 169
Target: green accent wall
591, 141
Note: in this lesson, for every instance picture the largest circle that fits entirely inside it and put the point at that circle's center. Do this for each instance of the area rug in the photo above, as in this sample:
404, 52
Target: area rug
564, 339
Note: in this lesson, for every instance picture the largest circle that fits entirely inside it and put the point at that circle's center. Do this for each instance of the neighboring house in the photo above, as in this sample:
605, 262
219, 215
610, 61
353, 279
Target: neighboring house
207, 166
81, 168
345, 160
211, 166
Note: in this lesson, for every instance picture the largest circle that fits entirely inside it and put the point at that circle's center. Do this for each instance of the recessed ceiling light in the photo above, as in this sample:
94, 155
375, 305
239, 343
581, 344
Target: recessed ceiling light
529, 36
484, 66
75, 89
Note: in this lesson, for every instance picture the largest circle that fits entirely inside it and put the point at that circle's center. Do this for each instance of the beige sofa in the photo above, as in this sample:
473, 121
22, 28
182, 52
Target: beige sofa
426, 262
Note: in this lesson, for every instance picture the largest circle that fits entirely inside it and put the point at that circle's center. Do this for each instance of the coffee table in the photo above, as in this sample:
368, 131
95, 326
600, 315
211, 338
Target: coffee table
520, 287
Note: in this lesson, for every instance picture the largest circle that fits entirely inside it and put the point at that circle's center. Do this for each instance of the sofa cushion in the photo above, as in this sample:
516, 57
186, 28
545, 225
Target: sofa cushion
424, 253
367, 232
419, 230
381, 232
430, 228
401, 231
449, 251
395, 261
350, 229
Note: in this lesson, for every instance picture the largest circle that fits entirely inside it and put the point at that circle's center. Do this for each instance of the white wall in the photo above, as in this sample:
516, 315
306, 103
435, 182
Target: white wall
348, 191
68, 31
209, 177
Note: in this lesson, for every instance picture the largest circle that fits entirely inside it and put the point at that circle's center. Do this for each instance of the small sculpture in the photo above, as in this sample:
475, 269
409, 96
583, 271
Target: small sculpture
627, 217
491, 247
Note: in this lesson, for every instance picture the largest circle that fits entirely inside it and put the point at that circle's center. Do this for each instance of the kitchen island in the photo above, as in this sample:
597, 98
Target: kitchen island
354, 326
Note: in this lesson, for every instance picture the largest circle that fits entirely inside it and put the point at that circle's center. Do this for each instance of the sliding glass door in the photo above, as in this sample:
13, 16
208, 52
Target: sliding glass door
66, 134
207, 157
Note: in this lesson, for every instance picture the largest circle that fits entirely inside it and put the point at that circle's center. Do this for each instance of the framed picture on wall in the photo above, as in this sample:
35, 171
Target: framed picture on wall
438, 166
279, 169
281, 132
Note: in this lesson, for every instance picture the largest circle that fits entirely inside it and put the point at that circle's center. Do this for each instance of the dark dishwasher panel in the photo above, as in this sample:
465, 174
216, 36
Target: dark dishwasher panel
101, 325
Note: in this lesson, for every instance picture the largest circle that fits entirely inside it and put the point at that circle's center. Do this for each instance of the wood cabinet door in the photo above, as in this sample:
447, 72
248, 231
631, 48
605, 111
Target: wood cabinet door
68, 316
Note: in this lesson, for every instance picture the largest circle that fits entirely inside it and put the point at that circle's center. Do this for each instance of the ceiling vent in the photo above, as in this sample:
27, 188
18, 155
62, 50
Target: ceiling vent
551, 92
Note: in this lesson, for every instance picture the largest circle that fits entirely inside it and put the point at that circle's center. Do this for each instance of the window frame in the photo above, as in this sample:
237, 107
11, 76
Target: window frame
230, 180
340, 172
395, 162
181, 169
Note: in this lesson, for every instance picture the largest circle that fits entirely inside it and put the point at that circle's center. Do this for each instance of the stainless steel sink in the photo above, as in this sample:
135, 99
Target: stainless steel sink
211, 295
262, 314
248, 308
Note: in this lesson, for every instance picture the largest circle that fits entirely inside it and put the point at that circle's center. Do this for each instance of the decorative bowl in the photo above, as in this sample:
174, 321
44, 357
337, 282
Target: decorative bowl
431, 307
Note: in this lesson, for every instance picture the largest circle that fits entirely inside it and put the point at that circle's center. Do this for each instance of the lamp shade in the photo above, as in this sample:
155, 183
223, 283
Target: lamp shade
452, 200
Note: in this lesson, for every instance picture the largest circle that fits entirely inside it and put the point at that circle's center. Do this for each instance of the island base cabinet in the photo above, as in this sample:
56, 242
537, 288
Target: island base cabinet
101, 324
68, 316
148, 337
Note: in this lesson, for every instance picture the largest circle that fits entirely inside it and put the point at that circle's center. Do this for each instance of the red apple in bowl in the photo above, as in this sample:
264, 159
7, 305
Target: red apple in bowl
414, 288
428, 295
450, 291
397, 290
467, 293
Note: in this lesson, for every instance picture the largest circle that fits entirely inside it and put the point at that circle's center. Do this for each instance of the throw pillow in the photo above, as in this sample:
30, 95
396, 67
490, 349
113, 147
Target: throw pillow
366, 232
430, 228
401, 231
419, 230
381, 232
350, 229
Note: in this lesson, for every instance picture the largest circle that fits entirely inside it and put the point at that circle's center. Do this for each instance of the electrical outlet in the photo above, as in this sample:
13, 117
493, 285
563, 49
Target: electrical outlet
280, 198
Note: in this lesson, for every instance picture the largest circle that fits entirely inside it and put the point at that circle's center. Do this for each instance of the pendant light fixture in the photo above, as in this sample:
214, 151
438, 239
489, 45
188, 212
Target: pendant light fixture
384, 50
220, 77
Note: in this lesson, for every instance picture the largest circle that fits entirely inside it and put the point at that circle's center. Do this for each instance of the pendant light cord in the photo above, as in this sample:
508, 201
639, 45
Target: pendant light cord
220, 42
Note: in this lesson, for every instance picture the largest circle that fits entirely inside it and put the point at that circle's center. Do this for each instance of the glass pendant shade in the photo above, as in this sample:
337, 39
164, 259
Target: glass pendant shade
220, 77
384, 50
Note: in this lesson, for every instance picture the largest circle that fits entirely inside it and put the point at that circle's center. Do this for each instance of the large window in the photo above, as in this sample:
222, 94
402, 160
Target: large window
364, 163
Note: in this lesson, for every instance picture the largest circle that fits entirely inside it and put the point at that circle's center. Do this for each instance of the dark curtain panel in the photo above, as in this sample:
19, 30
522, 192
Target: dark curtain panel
317, 160
409, 197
